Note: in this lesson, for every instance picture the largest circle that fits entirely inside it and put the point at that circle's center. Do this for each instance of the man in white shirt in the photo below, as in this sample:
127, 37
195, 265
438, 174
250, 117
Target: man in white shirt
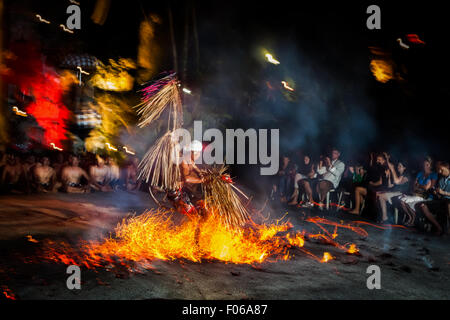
331, 171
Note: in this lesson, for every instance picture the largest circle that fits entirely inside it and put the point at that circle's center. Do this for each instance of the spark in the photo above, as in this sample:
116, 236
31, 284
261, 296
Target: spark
82, 71
42, 19
327, 257
128, 151
19, 112
31, 239
185, 90
65, 29
110, 147
271, 59
55, 147
286, 86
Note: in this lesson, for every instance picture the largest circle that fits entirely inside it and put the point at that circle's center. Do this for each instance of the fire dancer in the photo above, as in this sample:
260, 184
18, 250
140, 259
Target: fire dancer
189, 199
71, 177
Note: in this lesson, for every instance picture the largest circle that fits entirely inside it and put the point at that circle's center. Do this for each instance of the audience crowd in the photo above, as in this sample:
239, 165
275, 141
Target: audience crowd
66, 173
378, 188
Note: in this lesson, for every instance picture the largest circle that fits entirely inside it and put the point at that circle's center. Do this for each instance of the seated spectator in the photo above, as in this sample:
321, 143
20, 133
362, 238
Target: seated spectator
377, 180
114, 173
59, 164
45, 177
424, 183
99, 175
71, 177
131, 180
12, 174
28, 169
304, 180
401, 182
330, 171
440, 205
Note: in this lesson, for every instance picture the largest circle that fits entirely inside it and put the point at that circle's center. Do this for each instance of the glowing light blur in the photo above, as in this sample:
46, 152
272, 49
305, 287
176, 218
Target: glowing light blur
42, 19
286, 86
271, 59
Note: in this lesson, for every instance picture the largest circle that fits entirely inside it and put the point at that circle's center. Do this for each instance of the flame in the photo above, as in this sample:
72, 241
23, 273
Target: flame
154, 235
352, 249
382, 70
138, 240
327, 257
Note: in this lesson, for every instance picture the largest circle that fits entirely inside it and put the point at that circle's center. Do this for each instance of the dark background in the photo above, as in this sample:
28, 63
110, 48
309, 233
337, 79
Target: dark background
323, 48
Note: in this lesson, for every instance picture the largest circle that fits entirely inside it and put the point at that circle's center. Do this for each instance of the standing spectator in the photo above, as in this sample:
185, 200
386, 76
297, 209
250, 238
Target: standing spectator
283, 179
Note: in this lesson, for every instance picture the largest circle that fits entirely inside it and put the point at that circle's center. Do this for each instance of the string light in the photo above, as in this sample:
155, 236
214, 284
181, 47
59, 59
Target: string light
286, 86
42, 19
65, 29
110, 147
19, 112
271, 59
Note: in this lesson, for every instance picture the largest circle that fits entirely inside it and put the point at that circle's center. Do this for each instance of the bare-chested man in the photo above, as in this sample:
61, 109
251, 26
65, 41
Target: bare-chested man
71, 177
11, 174
99, 174
189, 200
132, 183
114, 173
45, 177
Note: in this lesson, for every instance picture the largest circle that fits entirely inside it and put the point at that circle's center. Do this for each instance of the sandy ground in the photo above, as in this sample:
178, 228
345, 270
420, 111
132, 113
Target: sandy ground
413, 265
